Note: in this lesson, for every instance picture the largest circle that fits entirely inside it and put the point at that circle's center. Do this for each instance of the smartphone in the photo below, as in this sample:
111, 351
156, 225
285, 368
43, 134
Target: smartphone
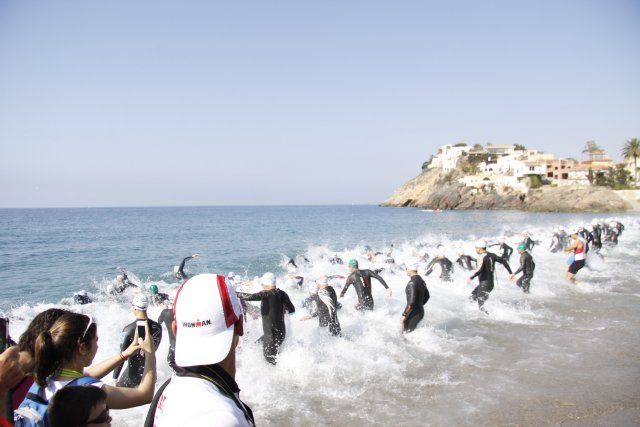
141, 324
4, 334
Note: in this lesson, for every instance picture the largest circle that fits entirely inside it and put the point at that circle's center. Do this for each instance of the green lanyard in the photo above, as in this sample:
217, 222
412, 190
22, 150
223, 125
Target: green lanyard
69, 373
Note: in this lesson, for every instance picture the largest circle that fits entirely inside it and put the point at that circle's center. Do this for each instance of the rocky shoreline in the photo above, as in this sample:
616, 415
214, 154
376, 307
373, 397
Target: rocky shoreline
434, 189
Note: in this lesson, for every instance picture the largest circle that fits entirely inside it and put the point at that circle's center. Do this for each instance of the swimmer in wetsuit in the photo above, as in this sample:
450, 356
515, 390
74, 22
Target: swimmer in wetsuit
417, 296
526, 268
324, 305
178, 270
274, 303
485, 274
122, 283
528, 241
81, 297
361, 281
157, 298
467, 262
336, 260
166, 318
556, 242
132, 374
504, 250
446, 266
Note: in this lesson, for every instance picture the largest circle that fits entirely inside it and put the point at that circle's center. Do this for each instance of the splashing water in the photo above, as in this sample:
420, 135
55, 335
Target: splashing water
561, 352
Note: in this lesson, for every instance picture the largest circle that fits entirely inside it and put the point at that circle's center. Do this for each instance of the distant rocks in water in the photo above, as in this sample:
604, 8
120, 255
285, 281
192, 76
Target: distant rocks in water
435, 189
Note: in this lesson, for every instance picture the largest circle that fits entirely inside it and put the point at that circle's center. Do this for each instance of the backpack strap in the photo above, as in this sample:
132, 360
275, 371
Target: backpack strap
82, 381
151, 414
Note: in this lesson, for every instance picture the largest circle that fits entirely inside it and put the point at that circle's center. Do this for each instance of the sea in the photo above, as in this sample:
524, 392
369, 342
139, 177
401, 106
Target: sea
562, 355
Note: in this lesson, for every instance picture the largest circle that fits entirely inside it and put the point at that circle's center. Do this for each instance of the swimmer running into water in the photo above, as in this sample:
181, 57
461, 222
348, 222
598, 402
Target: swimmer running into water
361, 281
178, 270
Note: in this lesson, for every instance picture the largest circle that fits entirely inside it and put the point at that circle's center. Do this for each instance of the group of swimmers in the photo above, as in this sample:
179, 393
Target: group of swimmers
322, 302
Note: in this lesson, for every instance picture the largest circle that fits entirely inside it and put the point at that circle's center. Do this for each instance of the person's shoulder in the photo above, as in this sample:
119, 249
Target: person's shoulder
197, 401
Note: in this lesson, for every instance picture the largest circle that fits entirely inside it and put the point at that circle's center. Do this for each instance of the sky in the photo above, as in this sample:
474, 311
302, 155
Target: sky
154, 103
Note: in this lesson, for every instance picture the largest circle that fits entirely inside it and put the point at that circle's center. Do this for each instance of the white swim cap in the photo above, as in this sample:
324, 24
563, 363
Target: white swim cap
82, 293
481, 244
120, 277
140, 302
237, 279
313, 288
562, 228
268, 279
176, 268
110, 289
439, 252
501, 239
231, 275
411, 266
322, 280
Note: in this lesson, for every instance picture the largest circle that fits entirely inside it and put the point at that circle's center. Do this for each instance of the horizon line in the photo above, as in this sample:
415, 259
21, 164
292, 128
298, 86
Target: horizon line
190, 206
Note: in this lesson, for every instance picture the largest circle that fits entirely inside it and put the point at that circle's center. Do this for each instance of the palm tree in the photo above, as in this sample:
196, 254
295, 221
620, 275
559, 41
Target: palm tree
590, 147
631, 150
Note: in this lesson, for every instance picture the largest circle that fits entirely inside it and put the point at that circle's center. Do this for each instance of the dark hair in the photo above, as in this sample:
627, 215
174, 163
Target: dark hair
42, 322
59, 343
71, 406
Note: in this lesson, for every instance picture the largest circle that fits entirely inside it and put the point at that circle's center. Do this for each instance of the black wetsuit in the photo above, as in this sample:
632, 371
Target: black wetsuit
556, 243
529, 243
166, 318
120, 287
564, 239
326, 309
336, 260
446, 267
467, 262
417, 297
273, 304
505, 251
81, 299
181, 275
485, 277
361, 281
132, 374
526, 268
596, 239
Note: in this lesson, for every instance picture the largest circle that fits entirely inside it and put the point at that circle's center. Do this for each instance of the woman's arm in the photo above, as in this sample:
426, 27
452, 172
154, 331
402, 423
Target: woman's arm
122, 397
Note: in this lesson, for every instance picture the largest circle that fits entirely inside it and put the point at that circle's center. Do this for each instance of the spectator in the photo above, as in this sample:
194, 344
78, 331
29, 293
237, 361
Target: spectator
10, 375
79, 406
203, 391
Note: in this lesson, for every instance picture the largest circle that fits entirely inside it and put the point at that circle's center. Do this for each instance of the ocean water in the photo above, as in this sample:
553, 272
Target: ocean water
562, 355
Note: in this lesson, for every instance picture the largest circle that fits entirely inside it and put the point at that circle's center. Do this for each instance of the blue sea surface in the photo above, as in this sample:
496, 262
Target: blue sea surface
47, 254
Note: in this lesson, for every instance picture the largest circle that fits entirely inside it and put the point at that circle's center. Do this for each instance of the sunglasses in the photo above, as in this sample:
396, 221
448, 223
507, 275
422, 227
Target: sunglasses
102, 418
88, 326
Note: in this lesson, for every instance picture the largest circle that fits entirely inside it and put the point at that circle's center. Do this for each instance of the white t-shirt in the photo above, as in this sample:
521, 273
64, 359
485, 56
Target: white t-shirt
55, 385
189, 401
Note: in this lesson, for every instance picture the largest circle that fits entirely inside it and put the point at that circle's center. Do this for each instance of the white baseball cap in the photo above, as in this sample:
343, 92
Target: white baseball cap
140, 301
206, 309
268, 279
481, 244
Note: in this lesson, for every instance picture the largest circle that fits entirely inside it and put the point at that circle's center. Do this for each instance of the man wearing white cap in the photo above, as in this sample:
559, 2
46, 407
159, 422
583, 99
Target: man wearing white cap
485, 272
203, 391
417, 297
274, 303
132, 374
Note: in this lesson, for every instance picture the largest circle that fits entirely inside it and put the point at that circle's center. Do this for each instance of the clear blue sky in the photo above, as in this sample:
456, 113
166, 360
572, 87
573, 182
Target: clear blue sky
134, 103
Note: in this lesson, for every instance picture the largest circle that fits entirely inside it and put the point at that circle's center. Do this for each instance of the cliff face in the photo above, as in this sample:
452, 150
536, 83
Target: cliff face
434, 189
